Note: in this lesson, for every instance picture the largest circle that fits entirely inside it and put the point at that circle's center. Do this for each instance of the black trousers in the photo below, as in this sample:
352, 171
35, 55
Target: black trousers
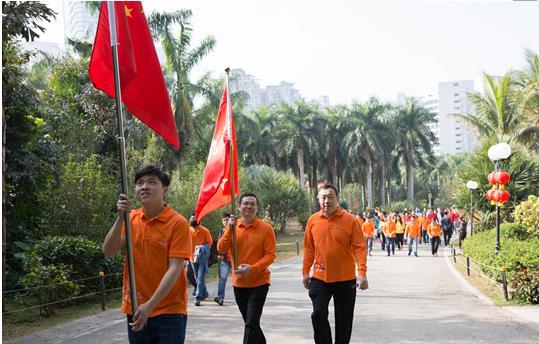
251, 301
447, 236
435, 243
344, 299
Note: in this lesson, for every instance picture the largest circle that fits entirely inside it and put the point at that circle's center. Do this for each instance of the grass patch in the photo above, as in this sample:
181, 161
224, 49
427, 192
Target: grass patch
23, 323
487, 287
286, 246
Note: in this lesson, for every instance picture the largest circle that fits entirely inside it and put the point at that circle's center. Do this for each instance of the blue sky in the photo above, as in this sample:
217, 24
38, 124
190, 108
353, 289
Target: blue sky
354, 49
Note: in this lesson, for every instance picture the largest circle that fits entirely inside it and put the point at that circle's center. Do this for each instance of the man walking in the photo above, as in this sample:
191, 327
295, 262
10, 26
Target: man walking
447, 228
368, 233
224, 266
255, 252
161, 241
333, 246
202, 242
413, 231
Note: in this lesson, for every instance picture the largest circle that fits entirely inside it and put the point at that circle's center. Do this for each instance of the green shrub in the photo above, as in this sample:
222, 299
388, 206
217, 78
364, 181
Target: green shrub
526, 285
53, 282
83, 255
527, 214
518, 252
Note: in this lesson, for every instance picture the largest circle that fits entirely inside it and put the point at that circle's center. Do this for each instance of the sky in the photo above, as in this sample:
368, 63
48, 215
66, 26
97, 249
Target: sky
351, 50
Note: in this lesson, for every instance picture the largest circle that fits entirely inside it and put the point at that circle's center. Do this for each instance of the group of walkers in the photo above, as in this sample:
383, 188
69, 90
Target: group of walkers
164, 242
411, 227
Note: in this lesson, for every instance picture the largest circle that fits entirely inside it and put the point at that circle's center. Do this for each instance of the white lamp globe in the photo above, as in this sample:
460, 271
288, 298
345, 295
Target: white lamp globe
504, 151
472, 185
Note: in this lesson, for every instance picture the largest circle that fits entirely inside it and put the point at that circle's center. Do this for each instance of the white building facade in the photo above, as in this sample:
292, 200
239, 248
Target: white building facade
454, 135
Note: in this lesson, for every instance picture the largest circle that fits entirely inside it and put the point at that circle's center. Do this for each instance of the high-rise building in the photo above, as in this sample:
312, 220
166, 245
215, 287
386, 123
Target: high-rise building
79, 22
430, 102
454, 135
272, 94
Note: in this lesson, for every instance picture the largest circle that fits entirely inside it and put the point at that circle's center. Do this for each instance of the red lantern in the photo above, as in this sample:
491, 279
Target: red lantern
491, 179
490, 195
501, 177
500, 196
503, 196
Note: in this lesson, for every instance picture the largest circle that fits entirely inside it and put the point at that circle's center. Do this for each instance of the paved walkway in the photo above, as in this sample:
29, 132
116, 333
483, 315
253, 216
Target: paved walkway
411, 300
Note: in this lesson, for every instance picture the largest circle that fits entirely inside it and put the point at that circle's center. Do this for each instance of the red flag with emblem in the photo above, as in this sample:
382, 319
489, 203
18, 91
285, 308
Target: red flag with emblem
144, 91
215, 191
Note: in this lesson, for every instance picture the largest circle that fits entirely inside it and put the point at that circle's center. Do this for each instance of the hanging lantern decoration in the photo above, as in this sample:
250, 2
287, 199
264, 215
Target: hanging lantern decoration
491, 179
497, 194
501, 177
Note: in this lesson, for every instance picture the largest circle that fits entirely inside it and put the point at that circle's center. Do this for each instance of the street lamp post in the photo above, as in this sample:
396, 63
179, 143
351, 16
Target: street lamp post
471, 185
497, 153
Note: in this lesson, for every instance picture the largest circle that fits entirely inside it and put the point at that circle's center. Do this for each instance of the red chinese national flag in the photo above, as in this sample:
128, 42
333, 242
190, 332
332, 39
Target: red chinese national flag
215, 190
144, 92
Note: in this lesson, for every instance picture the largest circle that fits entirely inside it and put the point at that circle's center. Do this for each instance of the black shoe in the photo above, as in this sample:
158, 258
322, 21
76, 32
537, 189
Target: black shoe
416, 254
205, 297
388, 254
218, 300
197, 303
409, 252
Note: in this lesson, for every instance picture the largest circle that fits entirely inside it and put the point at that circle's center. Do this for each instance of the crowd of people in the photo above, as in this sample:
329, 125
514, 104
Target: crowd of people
164, 243
336, 244
411, 228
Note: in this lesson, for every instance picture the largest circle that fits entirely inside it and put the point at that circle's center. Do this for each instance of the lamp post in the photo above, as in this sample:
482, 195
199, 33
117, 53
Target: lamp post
497, 153
471, 185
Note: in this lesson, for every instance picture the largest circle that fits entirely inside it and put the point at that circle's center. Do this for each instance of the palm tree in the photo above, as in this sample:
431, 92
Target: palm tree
498, 111
335, 129
298, 133
365, 138
181, 59
415, 138
528, 80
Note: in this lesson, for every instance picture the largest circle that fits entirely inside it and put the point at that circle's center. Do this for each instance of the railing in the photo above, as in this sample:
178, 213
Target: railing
101, 290
467, 262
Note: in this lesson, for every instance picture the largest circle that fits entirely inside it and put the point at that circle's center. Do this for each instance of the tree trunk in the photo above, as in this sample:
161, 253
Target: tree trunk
382, 182
315, 180
409, 178
363, 202
301, 167
370, 196
389, 191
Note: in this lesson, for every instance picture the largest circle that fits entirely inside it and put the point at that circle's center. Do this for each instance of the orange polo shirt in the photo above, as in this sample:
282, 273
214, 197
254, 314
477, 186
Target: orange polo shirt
360, 221
201, 235
255, 246
368, 229
413, 229
390, 230
434, 230
155, 240
334, 245
424, 222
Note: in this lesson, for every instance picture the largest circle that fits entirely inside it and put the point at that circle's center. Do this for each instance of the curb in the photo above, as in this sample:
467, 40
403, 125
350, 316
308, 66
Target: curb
467, 284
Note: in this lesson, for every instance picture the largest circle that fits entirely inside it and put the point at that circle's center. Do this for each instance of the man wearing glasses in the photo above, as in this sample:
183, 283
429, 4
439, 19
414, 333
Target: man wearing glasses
255, 249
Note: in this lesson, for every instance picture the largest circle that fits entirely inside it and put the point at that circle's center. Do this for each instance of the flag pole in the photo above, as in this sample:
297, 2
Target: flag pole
121, 143
231, 161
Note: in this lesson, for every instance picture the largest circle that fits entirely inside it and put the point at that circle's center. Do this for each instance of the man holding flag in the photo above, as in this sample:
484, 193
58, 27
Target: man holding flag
161, 243
255, 253
124, 65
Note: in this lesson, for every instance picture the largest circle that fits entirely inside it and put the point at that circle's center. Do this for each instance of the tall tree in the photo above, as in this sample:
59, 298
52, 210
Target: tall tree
365, 138
498, 112
528, 80
299, 130
22, 167
181, 59
414, 138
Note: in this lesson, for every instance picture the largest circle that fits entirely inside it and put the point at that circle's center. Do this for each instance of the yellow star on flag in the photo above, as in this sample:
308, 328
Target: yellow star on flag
128, 11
